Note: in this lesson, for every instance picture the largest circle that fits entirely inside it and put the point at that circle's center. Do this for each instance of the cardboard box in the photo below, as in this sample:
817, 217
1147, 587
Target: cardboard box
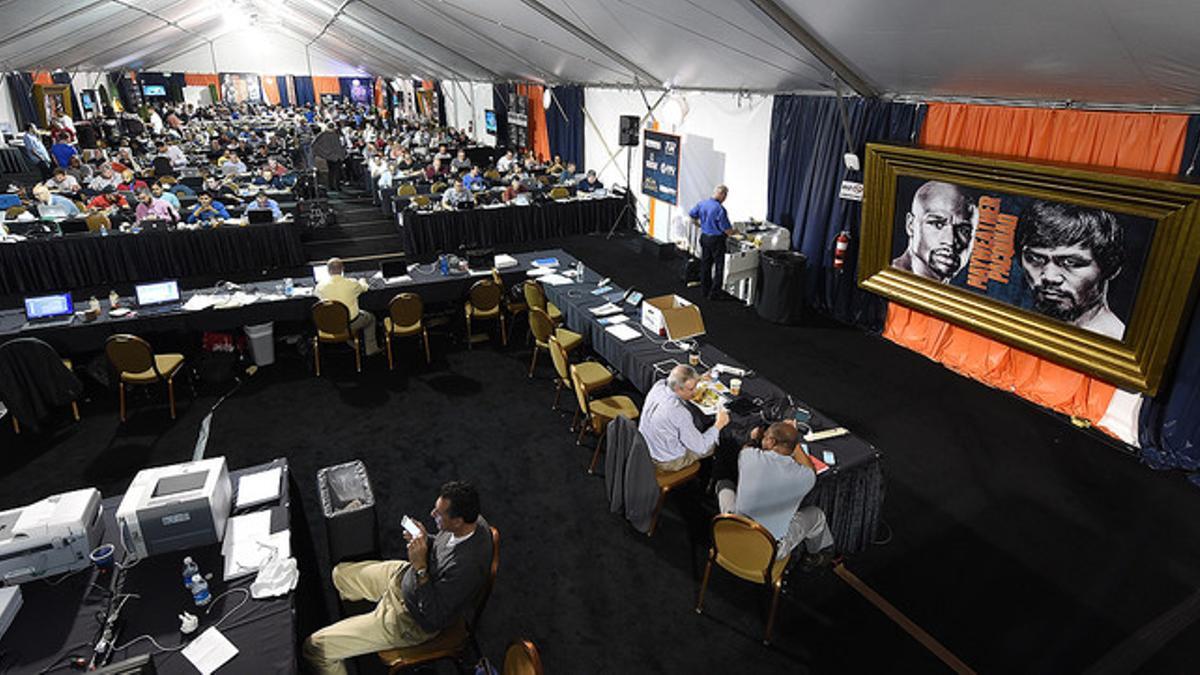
672, 316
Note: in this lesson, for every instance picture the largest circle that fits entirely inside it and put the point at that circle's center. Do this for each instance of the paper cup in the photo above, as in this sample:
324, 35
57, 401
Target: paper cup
735, 386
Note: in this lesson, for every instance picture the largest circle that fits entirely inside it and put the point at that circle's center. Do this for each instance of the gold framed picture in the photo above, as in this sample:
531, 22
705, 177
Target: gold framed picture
1093, 270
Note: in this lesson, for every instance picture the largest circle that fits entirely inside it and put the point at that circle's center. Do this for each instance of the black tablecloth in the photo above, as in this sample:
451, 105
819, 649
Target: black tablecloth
80, 261
56, 620
446, 231
850, 492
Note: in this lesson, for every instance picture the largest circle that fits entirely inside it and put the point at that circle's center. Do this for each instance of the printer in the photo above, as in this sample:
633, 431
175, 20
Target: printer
51, 536
176, 507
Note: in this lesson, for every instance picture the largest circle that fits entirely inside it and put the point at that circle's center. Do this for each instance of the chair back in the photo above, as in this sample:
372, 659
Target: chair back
560, 193
13, 211
744, 544
484, 295
437, 187
559, 356
580, 395
421, 200
97, 220
406, 190
486, 591
544, 180
522, 658
406, 310
540, 325
129, 353
331, 316
535, 295
491, 174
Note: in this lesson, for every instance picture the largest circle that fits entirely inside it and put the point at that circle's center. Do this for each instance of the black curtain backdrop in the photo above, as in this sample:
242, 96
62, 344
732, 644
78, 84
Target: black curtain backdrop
20, 88
566, 136
804, 172
500, 105
1169, 425
173, 83
65, 78
441, 102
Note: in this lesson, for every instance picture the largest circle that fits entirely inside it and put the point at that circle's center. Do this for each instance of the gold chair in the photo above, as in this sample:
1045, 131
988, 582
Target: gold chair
492, 175
559, 193
592, 375
511, 307
97, 220
535, 296
667, 481
421, 201
12, 212
437, 188
136, 363
405, 313
452, 642
483, 302
543, 329
406, 190
332, 320
522, 658
544, 180
747, 550
598, 413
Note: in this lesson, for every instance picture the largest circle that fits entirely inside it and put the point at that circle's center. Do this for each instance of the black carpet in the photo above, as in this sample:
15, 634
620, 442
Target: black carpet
1020, 543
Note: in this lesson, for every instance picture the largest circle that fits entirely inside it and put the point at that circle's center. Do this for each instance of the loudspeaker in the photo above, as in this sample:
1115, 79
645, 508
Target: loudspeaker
629, 130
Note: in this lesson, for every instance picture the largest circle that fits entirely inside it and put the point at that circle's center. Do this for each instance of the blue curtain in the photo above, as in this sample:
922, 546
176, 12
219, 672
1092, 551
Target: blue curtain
804, 171
304, 90
566, 135
20, 89
1169, 426
281, 83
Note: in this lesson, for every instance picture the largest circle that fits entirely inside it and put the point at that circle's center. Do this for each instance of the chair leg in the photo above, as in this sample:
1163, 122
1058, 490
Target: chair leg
469, 332
771, 614
596, 454
658, 507
16, 424
387, 339
425, 337
503, 332
317, 356
74, 410
533, 361
357, 355
557, 392
704, 585
171, 395
121, 389
582, 429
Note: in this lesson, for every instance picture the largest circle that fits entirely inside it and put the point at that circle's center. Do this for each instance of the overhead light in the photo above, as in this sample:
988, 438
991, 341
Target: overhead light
547, 99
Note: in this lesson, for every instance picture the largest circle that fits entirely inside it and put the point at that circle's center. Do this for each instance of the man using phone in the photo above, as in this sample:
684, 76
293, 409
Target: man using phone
417, 598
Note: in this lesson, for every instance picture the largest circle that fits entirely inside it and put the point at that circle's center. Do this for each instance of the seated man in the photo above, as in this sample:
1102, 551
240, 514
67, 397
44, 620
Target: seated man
262, 202
346, 291
668, 427
108, 202
232, 166
415, 599
160, 192
50, 205
460, 163
266, 178
473, 181
589, 183
151, 207
505, 163
514, 189
772, 481
456, 194
106, 180
61, 181
207, 209
567, 177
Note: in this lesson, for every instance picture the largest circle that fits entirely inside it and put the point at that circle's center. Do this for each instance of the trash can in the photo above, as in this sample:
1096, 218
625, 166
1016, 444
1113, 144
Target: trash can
262, 343
781, 286
348, 505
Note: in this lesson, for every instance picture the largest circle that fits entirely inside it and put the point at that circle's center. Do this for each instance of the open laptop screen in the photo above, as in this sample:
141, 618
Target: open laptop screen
46, 306
157, 293
320, 273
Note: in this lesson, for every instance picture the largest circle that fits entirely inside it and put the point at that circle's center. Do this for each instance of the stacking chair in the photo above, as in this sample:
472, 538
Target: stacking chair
559, 192
12, 212
332, 320
512, 307
405, 313
95, 221
543, 329
437, 188
535, 296
31, 380
747, 550
420, 201
136, 363
406, 190
598, 413
492, 175
592, 375
452, 642
522, 658
483, 302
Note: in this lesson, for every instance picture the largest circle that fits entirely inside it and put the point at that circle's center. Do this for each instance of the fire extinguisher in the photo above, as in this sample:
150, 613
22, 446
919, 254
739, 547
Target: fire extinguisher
840, 244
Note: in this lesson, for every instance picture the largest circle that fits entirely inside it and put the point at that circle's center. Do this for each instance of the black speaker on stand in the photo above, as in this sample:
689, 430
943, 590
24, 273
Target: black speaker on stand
627, 138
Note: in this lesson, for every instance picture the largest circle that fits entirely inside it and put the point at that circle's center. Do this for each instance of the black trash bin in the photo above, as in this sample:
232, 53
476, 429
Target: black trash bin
349, 508
781, 286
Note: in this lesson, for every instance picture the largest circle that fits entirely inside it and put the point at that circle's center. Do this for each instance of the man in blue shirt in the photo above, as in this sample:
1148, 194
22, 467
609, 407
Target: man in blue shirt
35, 151
263, 202
207, 210
714, 225
473, 181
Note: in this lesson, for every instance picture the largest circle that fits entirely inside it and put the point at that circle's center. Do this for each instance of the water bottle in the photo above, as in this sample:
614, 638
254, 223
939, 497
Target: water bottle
289, 286
103, 231
444, 264
190, 569
200, 592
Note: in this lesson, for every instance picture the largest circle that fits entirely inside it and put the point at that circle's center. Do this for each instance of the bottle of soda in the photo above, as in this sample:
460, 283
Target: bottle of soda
200, 593
190, 569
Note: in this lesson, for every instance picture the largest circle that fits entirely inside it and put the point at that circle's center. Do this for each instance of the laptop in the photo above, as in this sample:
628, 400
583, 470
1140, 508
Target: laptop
72, 226
320, 273
158, 297
394, 271
260, 216
46, 311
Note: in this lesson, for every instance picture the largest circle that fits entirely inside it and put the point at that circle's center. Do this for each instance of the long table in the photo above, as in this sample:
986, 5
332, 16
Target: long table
850, 492
446, 231
61, 619
81, 261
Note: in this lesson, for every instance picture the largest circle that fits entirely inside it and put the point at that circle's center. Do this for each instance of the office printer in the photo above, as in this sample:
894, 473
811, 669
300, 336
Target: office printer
48, 537
170, 508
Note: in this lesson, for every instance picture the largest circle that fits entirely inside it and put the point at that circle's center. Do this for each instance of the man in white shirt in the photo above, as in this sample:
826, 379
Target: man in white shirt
668, 427
456, 194
505, 163
346, 291
772, 482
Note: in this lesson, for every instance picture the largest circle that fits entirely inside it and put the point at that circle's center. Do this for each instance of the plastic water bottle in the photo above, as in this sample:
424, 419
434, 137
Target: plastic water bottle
190, 569
200, 592
103, 231
289, 286
444, 264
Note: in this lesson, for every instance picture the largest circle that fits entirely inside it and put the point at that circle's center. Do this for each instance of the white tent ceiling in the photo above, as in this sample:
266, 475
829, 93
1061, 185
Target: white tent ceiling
1107, 51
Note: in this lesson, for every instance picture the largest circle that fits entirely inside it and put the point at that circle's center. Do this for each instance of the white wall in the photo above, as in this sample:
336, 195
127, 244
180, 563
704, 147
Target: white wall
466, 103
7, 114
724, 139
255, 51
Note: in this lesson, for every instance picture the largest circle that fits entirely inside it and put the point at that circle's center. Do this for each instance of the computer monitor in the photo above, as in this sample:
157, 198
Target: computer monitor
489, 121
153, 90
393, 268
48, 306
259, 216
157, 293
320, 273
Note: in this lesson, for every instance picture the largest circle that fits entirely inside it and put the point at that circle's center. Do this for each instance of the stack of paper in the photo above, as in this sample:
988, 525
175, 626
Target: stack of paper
606, 309
555, 280
259, 488
198, 302
505, 260
249, 543
209, 651
622, 332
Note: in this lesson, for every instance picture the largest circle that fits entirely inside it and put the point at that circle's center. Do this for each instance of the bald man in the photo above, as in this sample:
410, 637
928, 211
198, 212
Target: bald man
714, 227
941, 227
346, 291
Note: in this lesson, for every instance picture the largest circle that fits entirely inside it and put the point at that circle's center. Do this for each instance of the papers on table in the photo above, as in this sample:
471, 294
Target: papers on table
601, 290
505, 260
198, 302
607, 309
392, 281
259, 488
249, 544
622, 332
613, 320
555, 280
545, 262
209, 651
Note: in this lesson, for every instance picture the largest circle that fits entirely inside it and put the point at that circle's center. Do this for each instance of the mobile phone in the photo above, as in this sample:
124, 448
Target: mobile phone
410, 526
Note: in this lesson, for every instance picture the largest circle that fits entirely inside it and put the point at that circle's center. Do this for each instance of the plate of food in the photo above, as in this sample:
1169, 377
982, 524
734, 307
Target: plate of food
709, 396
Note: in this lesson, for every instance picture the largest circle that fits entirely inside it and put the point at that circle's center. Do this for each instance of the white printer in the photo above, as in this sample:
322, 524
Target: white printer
51, 536
176, 507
